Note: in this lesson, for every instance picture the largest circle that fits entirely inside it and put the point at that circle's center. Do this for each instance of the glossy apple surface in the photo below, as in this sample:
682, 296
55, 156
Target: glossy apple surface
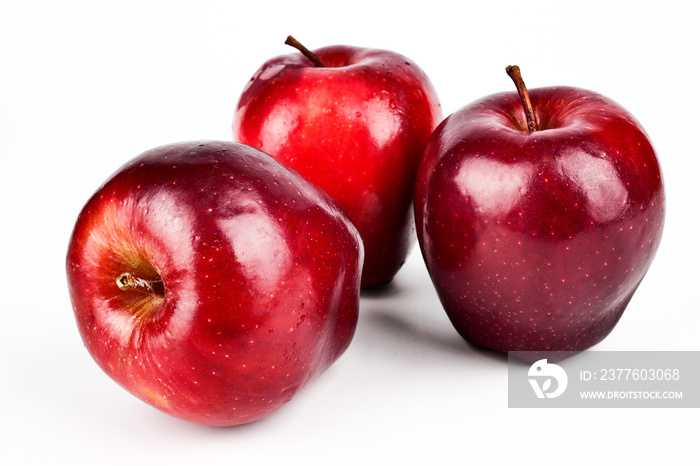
249, 281
357, 128
536, 241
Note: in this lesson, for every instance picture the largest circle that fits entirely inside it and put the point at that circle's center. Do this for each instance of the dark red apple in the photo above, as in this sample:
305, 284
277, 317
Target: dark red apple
212, 282
356, 124
536, 238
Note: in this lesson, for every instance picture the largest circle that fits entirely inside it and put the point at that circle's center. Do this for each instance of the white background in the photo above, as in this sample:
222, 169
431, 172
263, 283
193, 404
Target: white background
85, 86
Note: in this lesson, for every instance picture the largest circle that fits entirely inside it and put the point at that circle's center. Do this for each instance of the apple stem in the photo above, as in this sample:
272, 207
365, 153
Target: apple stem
514, 73
126, 282
307, 53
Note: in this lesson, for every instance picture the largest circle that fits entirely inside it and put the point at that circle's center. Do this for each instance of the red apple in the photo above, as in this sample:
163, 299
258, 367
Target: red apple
212, 282
536, 239
356, 125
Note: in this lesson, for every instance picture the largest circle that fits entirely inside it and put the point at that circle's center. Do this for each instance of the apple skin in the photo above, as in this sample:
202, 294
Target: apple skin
260, 276
356, 127
537, 241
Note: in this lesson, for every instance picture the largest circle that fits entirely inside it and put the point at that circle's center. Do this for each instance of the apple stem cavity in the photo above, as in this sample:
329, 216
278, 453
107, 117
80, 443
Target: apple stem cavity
307, 53
127, 282
514, 73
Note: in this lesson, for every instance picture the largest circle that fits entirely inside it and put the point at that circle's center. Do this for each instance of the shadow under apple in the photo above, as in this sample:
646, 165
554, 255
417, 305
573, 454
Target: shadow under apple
406, 318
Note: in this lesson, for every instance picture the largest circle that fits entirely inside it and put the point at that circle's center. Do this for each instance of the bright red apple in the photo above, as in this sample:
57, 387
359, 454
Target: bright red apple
536, 238
354, 121
212, 282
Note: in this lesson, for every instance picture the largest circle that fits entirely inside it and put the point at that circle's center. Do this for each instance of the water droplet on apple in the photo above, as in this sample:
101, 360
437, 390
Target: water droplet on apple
358, 114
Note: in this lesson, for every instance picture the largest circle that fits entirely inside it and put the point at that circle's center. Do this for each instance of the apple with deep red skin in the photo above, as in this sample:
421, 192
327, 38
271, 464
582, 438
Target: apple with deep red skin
536, 239
212, 282
356, 124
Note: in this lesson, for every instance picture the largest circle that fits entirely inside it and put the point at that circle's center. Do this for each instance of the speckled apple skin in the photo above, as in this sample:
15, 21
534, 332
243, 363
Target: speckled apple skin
357, 128
261, 272
537, 241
